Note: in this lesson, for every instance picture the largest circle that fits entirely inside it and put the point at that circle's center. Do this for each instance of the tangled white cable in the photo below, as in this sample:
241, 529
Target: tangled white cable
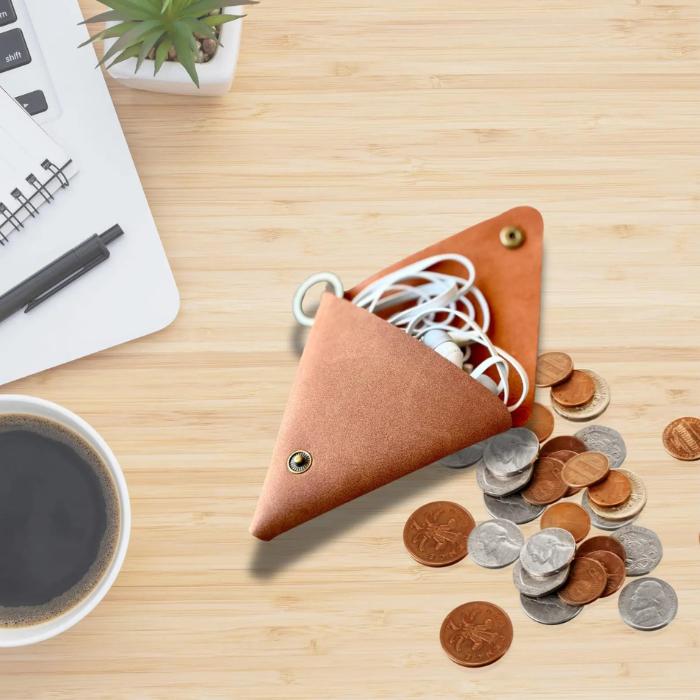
438, 302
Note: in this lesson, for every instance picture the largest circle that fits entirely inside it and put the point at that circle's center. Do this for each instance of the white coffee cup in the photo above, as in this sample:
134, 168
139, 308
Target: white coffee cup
21, 636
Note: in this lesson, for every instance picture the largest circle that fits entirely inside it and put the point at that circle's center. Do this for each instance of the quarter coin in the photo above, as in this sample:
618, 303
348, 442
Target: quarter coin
614, 568
568, 516
466, 457
600, 438
602, 523
437, 533
585, 469
563, 442
514, 508
586, 583
614, 490
648, 604
547, 552
632, 507
476, 634
546, 485
642, 547
541, 422
601, 542
553, 368
499, 488
577, 390
511, 452
549, 610
537, 587
495, 543
682, 439
593, 408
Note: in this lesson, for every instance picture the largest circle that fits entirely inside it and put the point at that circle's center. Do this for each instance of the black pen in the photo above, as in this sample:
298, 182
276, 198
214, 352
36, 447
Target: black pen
58, 274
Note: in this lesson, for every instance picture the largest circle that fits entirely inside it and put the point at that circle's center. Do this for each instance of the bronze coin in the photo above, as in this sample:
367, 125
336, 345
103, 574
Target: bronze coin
614, 490
586, 583
564, 456
682, 439
553, 368
614, 568
601, 542
563, 442
541, 422
577, 390
476, 634
436, 534
568, 516
586, 469
546, 485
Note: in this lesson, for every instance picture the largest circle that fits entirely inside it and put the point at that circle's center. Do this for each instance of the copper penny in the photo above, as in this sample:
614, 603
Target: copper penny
563, 442
436, 534
586, 469
541, 422
577, 390
614, 490
546, 485
586, 583
476, 634
568, 516
601, 542
682, 439
614, 568
564, 456
553, 368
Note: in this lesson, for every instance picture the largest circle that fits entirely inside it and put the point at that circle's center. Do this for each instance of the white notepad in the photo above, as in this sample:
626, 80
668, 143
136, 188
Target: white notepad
33, 168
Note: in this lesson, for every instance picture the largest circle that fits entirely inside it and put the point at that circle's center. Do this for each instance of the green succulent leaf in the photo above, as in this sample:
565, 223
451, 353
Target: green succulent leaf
125, 55
133, 36
162, 53
198, 27
184, 52
217, 20
149, 42
110, 33
202, 7
119, 16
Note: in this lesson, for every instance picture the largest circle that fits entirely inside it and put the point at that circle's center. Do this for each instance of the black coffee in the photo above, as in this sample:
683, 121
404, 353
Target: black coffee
59, 519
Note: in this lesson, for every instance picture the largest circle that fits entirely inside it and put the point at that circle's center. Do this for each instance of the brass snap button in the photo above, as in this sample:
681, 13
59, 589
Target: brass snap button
512, 237
299, 462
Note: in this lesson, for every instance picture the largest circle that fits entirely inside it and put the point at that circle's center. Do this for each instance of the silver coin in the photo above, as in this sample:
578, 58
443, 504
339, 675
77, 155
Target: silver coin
548, 551
549, 610
600, 438
514, 508
537, 587
602, 523
595, 407
511, 452
498, 488
495, 543
648, 604
642, 547
466, 457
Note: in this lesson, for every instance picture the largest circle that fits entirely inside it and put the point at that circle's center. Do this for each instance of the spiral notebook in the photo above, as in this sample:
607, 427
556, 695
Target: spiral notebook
33, 168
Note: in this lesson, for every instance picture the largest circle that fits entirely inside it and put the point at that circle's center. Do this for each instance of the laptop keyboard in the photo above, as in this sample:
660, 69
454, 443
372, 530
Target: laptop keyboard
23, 72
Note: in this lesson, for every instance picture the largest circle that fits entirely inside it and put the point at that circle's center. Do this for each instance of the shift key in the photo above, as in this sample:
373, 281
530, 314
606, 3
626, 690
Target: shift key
13, 50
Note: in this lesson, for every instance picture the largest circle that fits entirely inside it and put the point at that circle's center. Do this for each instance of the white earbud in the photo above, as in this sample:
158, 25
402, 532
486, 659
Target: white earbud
441, 342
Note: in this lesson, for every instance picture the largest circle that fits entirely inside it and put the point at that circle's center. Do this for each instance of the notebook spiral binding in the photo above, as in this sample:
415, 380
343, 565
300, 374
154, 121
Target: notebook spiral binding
9, 216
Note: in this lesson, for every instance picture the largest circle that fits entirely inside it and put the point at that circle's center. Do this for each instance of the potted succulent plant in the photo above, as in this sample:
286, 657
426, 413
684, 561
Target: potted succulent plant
185, 47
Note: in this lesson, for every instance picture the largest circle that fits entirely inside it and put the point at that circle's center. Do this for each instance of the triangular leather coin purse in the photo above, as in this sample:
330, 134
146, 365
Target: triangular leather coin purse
370, 403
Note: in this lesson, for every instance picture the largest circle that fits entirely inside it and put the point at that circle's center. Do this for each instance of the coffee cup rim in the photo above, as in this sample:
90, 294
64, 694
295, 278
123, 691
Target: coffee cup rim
30, 405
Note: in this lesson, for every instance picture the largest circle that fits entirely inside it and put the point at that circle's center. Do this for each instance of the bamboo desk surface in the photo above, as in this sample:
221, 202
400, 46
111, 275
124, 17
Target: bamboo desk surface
356, 133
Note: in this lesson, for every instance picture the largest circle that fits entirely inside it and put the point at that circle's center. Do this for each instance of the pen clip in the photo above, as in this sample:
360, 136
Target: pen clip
62, 285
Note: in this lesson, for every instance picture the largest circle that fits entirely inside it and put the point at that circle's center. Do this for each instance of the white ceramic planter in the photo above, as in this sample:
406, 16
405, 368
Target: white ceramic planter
215, 77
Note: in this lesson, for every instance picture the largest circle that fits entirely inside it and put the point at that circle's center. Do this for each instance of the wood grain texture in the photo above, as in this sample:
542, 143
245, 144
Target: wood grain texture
356, 133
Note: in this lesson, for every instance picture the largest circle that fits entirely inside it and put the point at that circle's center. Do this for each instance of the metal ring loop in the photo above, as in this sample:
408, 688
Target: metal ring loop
331, 280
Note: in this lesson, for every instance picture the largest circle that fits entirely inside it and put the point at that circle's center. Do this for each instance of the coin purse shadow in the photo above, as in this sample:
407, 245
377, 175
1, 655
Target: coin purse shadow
370, 403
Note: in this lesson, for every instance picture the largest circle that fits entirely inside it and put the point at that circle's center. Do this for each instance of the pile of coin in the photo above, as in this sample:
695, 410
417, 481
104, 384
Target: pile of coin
524, 474
576, 394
